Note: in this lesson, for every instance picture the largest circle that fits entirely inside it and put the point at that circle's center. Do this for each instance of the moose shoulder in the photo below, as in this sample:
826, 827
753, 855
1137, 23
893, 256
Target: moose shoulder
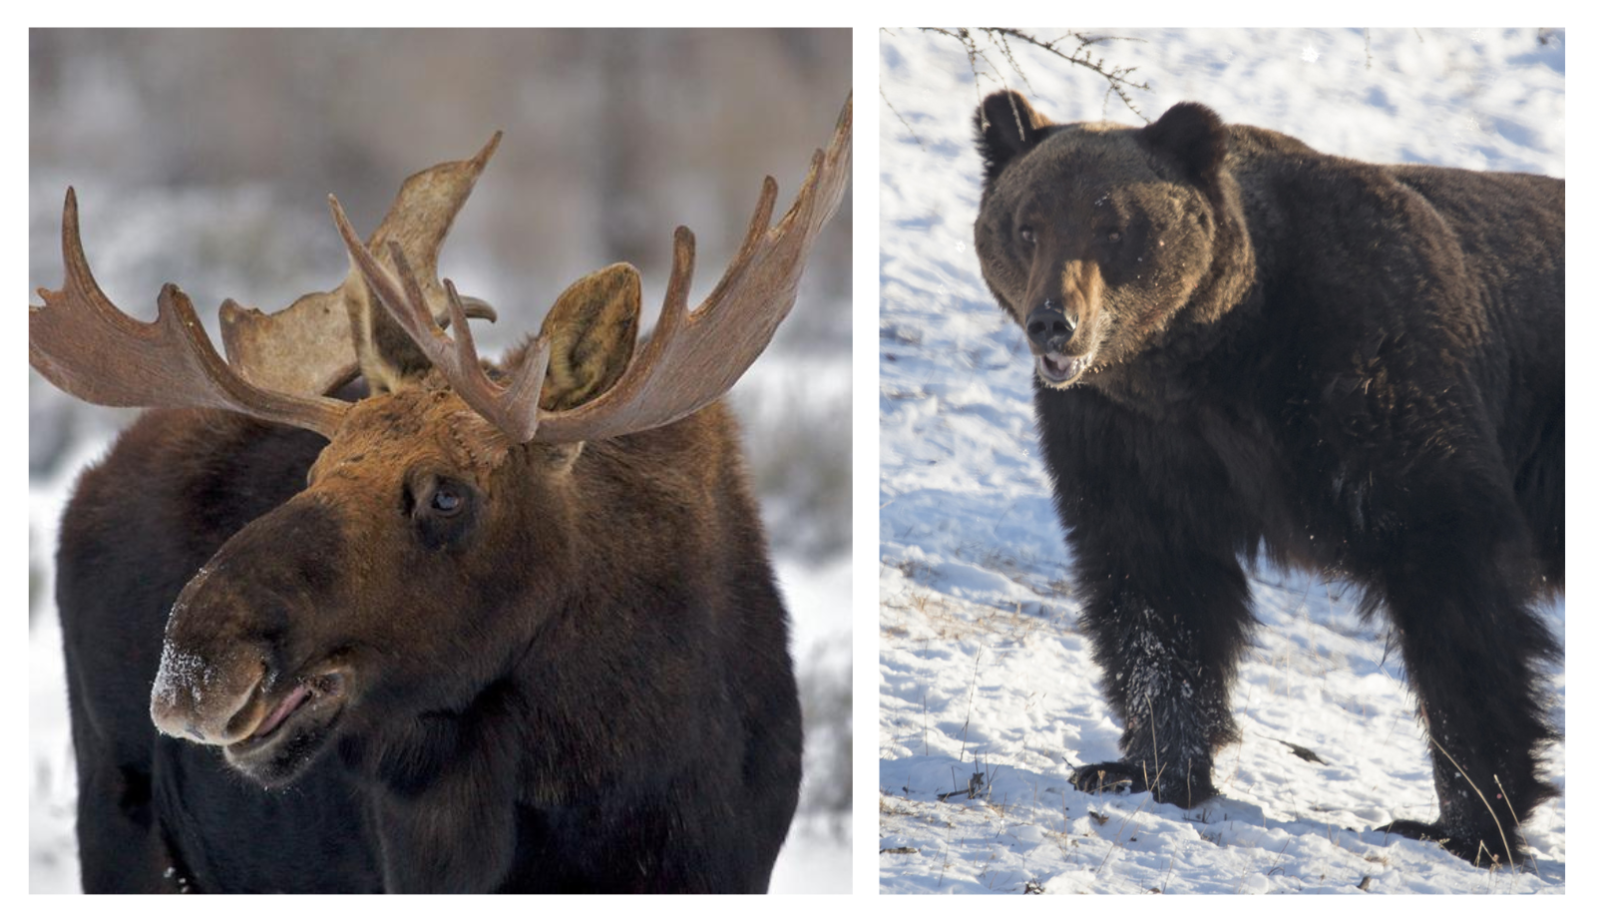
487, 627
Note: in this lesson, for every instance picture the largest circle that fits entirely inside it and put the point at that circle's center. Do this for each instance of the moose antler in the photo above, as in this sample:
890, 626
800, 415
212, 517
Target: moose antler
691, 360
315, 344
84, 345
513, 408
280, 365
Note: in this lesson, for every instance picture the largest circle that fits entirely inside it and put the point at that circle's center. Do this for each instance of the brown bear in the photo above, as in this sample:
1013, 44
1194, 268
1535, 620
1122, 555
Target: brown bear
1247, 348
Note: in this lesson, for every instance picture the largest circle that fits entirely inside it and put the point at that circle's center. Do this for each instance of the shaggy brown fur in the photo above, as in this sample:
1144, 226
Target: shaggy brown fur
1355, 368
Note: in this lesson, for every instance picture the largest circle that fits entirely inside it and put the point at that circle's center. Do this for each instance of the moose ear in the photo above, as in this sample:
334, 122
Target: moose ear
1006, 126
591, 330
1190, 136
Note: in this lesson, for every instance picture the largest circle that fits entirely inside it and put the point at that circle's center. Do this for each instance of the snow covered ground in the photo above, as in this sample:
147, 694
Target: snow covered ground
987, 691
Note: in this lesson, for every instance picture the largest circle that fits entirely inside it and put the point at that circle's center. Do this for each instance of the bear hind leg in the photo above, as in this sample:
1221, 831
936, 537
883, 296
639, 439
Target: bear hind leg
1473, 646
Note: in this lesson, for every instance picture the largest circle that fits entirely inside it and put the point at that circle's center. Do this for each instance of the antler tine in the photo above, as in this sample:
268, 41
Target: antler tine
85, 345
419, 322
325, 338
421, 318
512, 409
385, 286
413, 313
515, 407
694, 358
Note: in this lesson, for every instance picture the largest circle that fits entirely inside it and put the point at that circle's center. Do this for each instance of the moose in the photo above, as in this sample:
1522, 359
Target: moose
353, 609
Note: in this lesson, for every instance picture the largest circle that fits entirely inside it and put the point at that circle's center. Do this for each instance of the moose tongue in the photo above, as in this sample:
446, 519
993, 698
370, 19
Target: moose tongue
286, 707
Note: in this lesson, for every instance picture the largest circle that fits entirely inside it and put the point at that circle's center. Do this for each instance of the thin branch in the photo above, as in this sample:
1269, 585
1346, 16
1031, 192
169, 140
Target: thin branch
914, 137
1118, 79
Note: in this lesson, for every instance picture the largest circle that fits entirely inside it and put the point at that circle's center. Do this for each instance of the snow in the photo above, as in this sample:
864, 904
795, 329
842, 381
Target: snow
982, 671
52, 777
180, 672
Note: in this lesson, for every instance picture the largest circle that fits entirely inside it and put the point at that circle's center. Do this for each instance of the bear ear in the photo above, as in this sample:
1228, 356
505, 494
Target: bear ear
1006, 126
1191, 136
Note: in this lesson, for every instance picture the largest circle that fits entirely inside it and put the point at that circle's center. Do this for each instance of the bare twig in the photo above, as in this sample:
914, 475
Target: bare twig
914, 137
1487, 806
1081, 54
966, 723
1516, 822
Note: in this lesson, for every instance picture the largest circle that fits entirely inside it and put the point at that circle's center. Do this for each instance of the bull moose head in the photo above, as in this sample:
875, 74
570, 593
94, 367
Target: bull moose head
441, 518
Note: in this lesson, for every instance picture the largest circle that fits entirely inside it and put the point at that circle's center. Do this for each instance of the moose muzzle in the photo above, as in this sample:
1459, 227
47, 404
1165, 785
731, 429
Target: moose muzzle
239, 659
208, 688
238, 673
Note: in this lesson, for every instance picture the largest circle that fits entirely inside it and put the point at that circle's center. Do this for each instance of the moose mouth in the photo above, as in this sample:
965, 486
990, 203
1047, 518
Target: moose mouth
1059, 370
292, 731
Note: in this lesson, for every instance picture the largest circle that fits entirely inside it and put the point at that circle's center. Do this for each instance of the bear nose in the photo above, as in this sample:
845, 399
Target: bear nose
1049, 327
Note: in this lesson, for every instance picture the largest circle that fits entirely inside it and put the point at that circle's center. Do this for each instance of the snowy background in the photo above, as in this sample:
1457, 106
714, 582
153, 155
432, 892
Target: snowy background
982, 668
205, 158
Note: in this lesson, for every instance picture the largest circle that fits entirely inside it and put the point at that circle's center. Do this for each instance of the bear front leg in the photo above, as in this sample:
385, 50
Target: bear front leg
1153, 523
1167, 633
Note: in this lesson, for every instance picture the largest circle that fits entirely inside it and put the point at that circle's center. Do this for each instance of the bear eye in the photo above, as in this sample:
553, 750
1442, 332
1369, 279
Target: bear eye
1114, 236
1026, 233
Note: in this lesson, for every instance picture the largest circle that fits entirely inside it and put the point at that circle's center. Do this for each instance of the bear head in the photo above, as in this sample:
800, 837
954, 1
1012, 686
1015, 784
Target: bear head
1096, 237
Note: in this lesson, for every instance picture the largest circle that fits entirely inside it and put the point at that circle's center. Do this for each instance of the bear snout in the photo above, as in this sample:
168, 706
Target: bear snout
1050, 327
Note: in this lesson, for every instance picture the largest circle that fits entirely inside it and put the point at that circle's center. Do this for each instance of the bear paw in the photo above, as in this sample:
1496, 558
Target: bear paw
1131, 778
1108, 778
1465, 845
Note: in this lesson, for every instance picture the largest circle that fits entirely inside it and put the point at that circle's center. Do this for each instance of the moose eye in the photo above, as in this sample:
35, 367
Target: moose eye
446, 500
444, 512
1113, 236
1026, 233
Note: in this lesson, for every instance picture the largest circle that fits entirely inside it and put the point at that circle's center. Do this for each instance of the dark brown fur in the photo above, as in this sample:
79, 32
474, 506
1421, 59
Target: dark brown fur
1355, 368
585, 687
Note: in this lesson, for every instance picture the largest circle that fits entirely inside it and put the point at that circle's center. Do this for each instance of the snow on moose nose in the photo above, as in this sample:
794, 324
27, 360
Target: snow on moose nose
200, 695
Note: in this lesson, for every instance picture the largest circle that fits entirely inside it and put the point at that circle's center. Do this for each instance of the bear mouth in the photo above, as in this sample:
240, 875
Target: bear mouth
1058, 370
